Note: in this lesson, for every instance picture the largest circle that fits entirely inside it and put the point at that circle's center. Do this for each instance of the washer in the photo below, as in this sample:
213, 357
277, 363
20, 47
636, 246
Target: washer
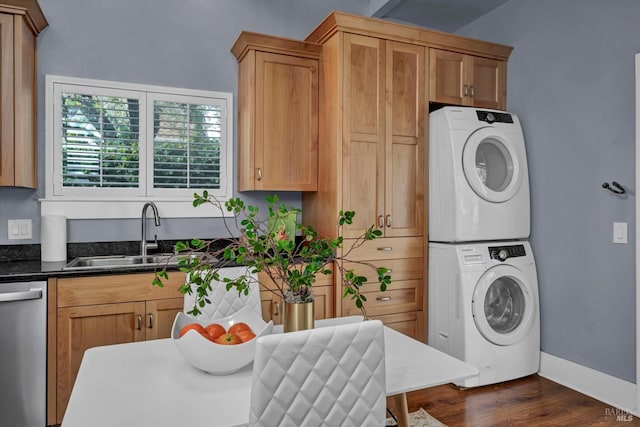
478, 178
483, 308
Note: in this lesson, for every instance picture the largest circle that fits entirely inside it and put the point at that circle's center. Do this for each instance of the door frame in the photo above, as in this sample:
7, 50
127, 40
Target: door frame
637, 226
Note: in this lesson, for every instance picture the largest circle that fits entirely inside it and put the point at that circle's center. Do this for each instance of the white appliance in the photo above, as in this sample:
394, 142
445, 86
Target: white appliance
483, 308
478, 178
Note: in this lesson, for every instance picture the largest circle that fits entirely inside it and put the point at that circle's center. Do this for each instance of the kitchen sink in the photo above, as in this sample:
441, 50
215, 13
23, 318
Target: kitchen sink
124, 261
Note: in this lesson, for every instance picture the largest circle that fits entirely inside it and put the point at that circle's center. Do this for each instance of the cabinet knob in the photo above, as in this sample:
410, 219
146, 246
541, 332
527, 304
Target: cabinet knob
150, 317
259, 174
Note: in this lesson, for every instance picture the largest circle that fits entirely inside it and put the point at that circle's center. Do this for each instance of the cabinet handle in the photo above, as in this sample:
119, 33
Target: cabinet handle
385, 248
276, 311
466, 90
259, 174
389, 270
473, 91
150, 316
380, 221
388, 220
139, 319
383, 298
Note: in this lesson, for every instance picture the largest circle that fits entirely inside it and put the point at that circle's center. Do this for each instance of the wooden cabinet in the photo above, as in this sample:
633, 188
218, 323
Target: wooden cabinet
323, 298
384, 146
20, 23
456, 78
277, 113
104, 310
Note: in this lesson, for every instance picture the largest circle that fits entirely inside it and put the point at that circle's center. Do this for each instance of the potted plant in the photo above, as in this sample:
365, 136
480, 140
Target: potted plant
265, 244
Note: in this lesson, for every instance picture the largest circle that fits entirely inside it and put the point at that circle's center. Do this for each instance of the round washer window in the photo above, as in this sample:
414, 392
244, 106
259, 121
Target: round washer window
494, 165
504, 305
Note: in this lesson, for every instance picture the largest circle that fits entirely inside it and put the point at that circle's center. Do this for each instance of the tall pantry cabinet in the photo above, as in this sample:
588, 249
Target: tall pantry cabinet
372, 160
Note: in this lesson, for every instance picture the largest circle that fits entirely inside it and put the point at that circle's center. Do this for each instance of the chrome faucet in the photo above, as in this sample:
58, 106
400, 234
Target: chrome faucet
144, 245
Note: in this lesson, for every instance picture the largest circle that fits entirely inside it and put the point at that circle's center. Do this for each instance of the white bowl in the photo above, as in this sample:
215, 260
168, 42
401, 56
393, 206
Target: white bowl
213, 358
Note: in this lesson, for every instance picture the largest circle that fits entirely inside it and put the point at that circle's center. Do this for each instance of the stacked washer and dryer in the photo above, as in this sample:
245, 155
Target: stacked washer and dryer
483, 289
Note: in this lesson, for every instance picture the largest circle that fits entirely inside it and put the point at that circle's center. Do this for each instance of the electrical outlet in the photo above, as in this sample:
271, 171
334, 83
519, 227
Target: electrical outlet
19, 229
619, 232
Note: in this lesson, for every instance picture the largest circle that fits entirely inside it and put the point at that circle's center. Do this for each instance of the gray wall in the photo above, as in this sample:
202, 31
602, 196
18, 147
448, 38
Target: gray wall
181, 43
571, 81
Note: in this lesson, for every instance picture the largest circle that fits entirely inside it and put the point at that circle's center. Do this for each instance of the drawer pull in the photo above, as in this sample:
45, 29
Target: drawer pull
383, 298
389, 270
385, 248
139, 319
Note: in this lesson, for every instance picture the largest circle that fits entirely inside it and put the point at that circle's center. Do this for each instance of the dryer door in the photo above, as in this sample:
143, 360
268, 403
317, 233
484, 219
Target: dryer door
504, 307
492, 165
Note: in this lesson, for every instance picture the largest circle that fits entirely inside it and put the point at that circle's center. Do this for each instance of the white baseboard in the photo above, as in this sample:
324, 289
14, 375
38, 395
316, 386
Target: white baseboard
613, 391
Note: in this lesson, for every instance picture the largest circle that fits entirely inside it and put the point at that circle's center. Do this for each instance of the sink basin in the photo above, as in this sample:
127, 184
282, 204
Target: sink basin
123, 261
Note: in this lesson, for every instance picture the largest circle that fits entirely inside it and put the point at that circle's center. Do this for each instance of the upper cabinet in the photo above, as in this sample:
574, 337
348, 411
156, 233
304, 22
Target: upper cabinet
20, 23
461, 79
277, 113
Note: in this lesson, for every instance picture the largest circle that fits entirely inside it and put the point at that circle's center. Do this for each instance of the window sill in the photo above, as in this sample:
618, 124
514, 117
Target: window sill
113, 209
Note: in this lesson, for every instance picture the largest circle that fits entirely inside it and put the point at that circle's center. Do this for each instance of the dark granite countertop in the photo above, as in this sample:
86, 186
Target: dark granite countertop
20, 263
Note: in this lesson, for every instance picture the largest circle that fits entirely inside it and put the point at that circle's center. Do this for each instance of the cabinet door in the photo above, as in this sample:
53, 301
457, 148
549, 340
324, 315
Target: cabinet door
286, 123
7, 158
487, 79
405, 140
81, 328
271, 307
160, 316
447, 77
323, 302
363, 137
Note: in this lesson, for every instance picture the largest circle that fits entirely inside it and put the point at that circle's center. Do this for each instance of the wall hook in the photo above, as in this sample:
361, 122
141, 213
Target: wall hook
618, 188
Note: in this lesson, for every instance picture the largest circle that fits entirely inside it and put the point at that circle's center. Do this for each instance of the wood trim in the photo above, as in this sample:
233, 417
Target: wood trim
7, 156
52, 349
266, 43
340, 21
30, 9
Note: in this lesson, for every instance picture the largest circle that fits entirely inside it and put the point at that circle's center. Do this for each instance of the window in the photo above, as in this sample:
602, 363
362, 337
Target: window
116, 142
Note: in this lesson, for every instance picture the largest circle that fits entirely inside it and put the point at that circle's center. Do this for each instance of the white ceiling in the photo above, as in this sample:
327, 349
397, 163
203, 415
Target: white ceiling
443, 15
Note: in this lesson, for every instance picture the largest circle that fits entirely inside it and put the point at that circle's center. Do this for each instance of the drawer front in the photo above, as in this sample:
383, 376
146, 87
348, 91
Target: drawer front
411, 324
401, 296
399, 269
385, 248
88, 290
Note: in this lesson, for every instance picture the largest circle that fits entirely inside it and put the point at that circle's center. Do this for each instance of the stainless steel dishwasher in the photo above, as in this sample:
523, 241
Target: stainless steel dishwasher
23, 353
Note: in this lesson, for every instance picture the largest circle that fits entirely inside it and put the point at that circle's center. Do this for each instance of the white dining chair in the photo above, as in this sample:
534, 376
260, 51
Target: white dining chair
329, 376
223, 303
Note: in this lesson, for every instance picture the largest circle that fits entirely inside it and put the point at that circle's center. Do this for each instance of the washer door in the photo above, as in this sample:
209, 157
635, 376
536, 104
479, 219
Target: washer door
491, 165
503, 305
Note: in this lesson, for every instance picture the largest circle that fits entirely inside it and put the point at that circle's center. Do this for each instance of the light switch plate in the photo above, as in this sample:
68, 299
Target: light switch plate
619, 232
19, 229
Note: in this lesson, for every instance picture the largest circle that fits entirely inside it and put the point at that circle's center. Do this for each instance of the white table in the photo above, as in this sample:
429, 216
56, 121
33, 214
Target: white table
149, 384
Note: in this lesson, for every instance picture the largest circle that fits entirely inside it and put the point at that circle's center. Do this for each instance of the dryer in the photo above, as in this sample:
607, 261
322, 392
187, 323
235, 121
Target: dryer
483, 308
478, 178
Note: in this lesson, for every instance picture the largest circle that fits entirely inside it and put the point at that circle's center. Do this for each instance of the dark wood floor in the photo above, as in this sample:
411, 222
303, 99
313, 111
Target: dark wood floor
530, 401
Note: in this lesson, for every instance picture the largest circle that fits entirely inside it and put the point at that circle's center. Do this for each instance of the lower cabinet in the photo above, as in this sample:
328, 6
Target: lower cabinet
401, 306
102, 310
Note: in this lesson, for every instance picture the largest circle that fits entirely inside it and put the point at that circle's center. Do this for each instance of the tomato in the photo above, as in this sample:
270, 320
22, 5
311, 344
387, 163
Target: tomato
215, 330
246, 335
239, 327
228, 339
